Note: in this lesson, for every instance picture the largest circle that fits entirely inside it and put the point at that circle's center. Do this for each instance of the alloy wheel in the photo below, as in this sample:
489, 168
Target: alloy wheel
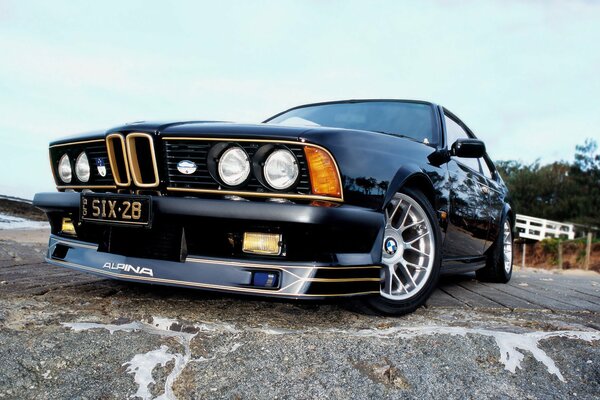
507, 243
408, 249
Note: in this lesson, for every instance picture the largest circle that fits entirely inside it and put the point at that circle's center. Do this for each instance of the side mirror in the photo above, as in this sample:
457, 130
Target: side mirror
468, 148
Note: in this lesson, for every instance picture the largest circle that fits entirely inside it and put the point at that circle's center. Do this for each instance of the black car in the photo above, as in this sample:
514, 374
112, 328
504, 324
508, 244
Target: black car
368, 199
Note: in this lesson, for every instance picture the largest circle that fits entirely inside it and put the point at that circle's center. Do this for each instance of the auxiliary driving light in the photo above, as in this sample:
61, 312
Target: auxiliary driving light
262, 243
67, 227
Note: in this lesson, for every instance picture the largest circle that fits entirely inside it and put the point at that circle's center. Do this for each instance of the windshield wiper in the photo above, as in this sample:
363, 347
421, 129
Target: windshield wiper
399, 135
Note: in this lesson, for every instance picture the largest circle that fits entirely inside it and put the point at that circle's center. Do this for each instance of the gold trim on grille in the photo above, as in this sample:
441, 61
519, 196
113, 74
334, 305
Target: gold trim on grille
132, 168
79, 142
133, 160
110, 149
261, 194
88, 187
258, 194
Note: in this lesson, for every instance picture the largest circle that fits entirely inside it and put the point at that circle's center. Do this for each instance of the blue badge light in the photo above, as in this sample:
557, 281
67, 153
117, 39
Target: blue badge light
265, 279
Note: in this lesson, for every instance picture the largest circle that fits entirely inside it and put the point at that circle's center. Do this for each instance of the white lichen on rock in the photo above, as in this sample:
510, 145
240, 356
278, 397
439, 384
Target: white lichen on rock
511, 345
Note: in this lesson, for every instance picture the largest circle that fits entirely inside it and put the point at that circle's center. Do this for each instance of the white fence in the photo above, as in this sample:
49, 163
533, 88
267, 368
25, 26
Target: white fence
539, 229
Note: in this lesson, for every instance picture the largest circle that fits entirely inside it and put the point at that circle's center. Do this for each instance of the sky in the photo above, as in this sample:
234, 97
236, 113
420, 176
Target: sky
523, 75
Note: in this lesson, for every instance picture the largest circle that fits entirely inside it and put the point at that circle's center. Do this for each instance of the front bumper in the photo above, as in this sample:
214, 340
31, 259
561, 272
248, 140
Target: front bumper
346, 269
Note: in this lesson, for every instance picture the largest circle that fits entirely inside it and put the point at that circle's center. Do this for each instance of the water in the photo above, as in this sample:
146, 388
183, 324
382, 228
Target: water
11, 222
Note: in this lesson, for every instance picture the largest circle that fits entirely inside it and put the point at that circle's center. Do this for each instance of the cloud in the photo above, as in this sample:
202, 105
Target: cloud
522, 75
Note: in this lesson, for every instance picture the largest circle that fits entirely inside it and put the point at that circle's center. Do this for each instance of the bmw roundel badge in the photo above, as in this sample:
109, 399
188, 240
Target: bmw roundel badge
101, 167
391, 246
186, 167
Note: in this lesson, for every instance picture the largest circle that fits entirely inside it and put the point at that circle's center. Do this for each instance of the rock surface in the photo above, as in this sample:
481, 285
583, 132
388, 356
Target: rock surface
71, 335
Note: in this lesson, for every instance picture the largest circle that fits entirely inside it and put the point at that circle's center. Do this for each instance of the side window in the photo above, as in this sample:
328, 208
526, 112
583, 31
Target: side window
455, 131
487, 171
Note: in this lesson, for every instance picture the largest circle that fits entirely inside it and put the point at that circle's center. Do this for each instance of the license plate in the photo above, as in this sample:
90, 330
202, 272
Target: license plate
116, 209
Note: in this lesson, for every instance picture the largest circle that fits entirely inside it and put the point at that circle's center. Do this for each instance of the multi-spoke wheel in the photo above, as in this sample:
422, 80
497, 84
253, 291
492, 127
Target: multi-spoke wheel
508, 244
408, 247
410, 254
499, 264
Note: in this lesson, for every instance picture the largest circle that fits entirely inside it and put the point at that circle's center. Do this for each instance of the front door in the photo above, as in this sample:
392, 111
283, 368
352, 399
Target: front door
469, 220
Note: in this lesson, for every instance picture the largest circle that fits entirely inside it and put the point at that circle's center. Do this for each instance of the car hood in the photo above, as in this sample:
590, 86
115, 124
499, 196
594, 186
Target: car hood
220, 129
267, 131
234, 130
343, 143
316, 134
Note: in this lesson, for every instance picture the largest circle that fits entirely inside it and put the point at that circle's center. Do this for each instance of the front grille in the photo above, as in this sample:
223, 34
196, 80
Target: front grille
97, 152
97, 157
117, 156
197, 151
142, 160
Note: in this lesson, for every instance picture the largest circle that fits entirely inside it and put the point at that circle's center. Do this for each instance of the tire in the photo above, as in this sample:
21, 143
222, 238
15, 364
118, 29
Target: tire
402, 301
499, 264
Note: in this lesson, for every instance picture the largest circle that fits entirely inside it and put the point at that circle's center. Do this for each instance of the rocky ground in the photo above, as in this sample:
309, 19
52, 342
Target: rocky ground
71, 335
20, 208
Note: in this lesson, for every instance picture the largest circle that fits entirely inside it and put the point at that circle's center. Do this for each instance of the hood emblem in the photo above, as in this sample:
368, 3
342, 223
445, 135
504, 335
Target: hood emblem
101, 167
186, 167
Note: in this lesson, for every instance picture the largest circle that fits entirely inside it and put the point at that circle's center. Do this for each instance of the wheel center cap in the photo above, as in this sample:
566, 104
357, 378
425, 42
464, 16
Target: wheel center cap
391, 246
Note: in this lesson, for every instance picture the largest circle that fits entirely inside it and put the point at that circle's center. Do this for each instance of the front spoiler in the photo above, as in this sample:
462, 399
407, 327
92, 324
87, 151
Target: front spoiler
296, 280
345, 216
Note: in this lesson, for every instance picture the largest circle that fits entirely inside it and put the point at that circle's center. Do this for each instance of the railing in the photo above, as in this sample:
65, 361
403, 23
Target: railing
539, 229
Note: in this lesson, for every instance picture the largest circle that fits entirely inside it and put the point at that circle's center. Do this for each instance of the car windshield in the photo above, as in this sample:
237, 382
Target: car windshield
414, 120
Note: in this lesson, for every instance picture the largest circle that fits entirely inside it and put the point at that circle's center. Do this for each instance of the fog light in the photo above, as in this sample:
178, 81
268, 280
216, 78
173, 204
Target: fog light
265, 279
67, 227
262, 243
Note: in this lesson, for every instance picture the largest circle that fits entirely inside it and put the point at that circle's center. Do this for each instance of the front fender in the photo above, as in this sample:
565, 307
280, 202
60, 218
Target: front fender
507, 210
409, 172
373, 165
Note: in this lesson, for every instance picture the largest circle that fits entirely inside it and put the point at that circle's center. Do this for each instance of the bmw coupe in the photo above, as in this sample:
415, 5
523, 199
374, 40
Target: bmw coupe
362, 199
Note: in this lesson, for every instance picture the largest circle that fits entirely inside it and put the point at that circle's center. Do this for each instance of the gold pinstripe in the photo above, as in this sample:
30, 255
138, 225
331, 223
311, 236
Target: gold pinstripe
78, 142
204, 285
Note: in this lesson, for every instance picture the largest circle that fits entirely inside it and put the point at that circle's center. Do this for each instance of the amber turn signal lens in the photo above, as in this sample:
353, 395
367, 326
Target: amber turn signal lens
324, 177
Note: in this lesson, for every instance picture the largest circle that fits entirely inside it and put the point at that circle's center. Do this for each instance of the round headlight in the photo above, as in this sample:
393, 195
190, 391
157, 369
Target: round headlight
64, 169
281, 169
82, 168
234, 166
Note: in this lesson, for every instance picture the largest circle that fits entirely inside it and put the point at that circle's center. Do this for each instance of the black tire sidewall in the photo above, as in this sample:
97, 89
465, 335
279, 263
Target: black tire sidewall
494, 270
500, 252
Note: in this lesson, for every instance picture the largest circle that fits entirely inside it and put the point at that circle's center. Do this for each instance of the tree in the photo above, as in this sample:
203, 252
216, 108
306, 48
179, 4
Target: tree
586, 158
558, 191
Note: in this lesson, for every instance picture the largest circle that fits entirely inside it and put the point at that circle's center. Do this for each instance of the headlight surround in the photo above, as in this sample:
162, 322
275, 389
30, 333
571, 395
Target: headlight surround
82, 167
64, 169
281, 169
234, 166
